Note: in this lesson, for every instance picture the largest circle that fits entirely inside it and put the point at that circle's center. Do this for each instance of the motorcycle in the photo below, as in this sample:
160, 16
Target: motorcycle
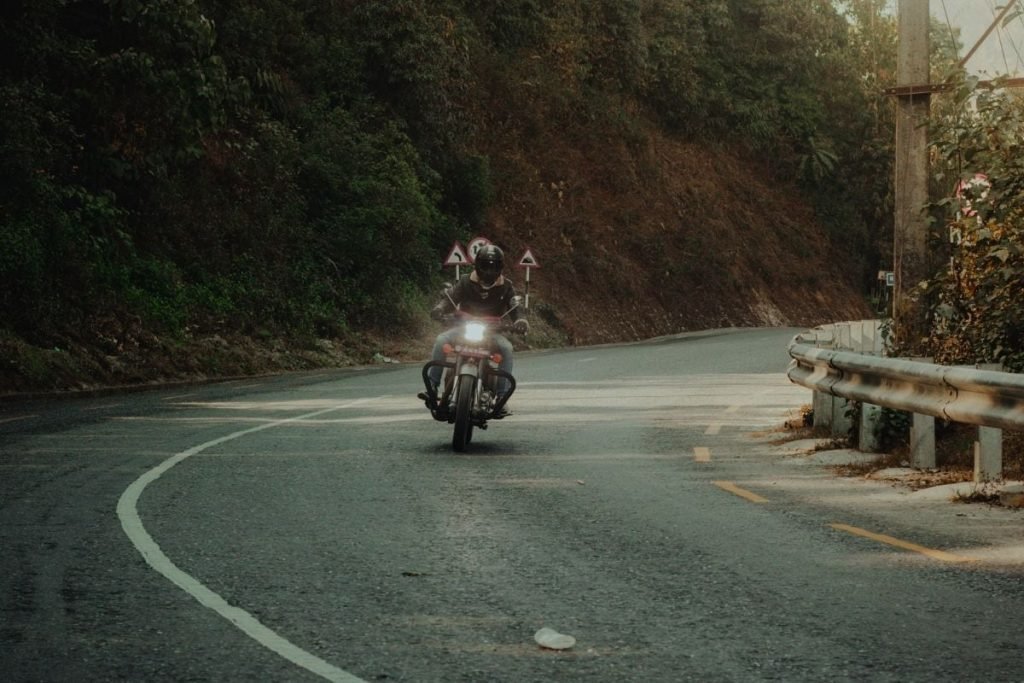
469, 395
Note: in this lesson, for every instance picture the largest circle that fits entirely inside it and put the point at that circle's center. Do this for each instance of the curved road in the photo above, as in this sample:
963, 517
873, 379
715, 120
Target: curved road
318, 527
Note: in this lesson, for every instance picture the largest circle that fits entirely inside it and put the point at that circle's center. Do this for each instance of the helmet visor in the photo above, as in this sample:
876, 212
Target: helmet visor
488, 271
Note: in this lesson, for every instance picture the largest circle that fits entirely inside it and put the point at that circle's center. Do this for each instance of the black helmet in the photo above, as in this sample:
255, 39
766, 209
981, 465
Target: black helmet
489, 263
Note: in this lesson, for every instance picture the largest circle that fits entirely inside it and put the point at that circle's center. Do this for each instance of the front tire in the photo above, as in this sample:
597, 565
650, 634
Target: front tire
463, 432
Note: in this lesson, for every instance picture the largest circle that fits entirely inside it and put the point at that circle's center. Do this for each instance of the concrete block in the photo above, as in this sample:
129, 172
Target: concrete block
988, 455
841, 422
867, 438
922, 442
821, 404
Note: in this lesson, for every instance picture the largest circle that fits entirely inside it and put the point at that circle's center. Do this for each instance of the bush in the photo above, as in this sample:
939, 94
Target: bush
977, 301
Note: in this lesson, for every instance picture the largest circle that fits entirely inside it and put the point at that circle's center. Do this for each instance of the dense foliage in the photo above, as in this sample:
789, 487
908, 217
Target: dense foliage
297, 166
977, 297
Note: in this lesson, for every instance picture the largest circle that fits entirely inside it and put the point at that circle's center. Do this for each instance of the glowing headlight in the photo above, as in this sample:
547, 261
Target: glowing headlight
474, 332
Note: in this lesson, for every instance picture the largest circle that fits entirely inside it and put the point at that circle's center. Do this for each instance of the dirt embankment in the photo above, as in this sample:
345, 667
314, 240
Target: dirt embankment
664, 237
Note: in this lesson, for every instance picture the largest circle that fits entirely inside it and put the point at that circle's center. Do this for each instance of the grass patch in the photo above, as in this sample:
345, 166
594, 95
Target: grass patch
981, 494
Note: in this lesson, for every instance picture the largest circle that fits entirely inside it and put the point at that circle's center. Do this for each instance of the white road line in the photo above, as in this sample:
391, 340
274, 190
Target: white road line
127, 511
15, 419
586, 360
104, 406
714, 428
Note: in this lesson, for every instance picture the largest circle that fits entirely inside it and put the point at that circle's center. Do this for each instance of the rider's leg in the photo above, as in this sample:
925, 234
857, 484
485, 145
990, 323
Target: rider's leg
504, 347
446, 337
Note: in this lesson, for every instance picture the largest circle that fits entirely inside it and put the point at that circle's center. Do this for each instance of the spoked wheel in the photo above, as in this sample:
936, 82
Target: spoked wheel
463, 432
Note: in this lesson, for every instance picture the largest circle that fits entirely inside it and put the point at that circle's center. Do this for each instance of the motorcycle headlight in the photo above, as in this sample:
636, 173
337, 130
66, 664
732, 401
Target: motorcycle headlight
474, 332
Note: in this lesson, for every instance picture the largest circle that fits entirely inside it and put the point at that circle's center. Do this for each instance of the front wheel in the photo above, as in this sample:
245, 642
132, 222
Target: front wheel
463, 432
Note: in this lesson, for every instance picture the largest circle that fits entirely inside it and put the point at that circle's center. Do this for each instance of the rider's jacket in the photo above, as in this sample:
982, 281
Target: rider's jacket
473, 299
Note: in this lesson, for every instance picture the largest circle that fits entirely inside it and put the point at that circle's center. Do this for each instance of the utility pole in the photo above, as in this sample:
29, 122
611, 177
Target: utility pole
910, 243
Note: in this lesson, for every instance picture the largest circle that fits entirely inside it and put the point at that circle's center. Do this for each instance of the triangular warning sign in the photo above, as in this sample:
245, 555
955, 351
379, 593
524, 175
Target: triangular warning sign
529, 260
457, 256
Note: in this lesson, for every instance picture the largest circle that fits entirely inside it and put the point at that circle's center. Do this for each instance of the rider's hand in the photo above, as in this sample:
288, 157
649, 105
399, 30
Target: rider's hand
521, 326
437, 313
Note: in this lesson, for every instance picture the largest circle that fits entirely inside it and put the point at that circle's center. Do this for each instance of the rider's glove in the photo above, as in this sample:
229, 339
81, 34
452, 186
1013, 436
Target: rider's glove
521, 326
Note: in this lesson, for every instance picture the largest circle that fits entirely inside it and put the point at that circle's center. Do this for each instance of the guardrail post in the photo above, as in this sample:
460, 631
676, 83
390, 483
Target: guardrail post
988, 449
822, 406
988, 455
922, 442
841, 422
867, 437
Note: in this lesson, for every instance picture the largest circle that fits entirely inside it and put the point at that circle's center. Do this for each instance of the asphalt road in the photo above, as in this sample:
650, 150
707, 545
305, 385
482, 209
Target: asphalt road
318, 526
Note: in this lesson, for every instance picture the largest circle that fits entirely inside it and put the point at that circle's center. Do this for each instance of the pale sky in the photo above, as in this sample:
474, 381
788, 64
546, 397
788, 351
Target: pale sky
1003, 50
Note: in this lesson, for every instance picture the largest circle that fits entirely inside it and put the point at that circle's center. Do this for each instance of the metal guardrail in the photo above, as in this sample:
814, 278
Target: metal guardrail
862, 336
980, 397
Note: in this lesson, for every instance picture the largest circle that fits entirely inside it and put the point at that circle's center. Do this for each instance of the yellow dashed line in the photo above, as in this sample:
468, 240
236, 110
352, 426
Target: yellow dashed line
714, 428
906, 545
702, 454
742, 493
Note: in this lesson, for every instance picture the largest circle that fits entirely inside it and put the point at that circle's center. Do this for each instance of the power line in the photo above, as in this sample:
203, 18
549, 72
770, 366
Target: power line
949, 24
1005, 33
999, 35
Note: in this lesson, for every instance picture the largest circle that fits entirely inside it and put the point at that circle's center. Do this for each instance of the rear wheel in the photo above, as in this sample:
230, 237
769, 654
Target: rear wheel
463, 432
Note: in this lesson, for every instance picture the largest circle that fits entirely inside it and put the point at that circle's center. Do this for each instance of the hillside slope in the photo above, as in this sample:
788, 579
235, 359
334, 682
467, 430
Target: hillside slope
663, 238
634, 242
208, 189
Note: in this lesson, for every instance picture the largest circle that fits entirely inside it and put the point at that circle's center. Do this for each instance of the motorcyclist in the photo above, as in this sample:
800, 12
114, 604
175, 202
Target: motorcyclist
484, 292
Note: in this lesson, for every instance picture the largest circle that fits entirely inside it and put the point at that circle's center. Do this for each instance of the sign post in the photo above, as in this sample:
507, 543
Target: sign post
528, 261
456, 257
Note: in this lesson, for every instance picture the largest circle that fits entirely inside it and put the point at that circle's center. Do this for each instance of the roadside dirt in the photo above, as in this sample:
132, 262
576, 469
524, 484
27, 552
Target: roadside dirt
954, 456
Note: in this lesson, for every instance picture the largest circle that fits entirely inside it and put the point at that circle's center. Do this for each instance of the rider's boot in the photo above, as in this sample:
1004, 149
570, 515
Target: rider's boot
504, 412
432, 403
